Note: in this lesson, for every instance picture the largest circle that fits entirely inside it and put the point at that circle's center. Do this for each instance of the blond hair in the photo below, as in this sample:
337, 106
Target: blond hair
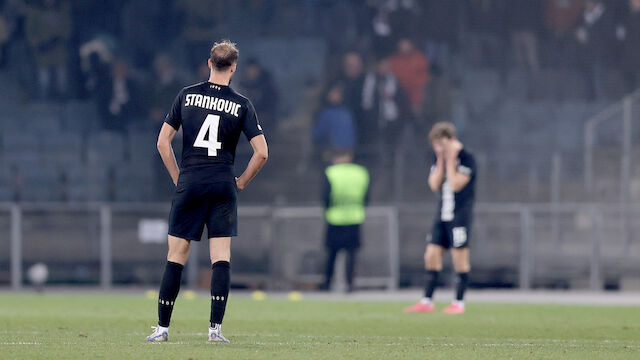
224, 54
442, 130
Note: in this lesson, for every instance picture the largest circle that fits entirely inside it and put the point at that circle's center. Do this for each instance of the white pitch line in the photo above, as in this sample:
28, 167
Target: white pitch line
463, 341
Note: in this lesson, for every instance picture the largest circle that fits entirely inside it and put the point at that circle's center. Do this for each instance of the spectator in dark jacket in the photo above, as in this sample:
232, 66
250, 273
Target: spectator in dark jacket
486, 30
629, 34
4, 39
203, 20
165, 85
524, 18
334, 126
386, 105
143, 23
117, 100
48, 30
96, 58
595, 35
259, 86
441, 25
560, 18
353, 78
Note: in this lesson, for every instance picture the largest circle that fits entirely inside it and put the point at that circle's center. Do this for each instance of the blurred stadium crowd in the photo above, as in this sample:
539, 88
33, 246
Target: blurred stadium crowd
85, 86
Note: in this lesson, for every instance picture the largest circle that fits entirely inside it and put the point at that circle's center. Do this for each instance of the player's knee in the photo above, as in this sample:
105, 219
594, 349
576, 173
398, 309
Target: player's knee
220, 249
433, 260
462, 268
178, 254
429, 259
182, 251
433, 265
461, 262
180, 258
221, 256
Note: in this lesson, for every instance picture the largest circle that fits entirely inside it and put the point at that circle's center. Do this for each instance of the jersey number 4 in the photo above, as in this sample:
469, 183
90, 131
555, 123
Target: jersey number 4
210, 125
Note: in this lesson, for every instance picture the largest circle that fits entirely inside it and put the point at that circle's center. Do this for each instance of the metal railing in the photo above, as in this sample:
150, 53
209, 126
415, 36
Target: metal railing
508, 238
622, 112
279, 246
619, 118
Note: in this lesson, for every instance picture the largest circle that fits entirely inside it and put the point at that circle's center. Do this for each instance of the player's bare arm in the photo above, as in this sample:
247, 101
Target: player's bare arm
456, 179
436, 177
167, 133
259, 158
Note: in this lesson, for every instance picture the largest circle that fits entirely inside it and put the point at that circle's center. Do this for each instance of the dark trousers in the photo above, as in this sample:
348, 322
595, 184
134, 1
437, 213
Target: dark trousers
339, 238
350, 267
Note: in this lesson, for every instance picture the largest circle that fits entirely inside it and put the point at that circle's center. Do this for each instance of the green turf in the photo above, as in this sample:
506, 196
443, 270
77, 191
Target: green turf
114, 327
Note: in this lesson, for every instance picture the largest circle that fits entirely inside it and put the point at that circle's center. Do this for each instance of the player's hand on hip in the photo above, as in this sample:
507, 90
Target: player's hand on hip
240, 184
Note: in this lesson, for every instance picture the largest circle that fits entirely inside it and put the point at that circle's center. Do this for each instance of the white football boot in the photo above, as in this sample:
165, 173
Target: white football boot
159, 334
215, 335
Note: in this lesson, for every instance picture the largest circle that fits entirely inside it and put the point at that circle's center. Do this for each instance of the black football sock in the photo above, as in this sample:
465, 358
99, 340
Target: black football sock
168, 292
431, 283
461, 286
220, 283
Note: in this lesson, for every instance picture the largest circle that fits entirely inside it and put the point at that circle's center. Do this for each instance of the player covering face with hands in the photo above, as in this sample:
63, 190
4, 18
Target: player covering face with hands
452, 175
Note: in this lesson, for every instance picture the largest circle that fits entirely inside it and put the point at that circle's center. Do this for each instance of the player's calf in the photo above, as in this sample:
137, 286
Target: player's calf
462, 266
220, 283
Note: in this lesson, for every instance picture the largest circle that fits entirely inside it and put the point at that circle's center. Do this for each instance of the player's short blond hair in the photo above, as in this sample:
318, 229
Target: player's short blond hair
224, 54
442, 130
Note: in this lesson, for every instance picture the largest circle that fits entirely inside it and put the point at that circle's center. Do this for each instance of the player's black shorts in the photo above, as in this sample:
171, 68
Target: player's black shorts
196, 204
449, 234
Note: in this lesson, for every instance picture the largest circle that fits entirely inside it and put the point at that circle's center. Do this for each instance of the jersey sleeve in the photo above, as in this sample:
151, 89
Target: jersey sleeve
467, 165
174, 116
251, 127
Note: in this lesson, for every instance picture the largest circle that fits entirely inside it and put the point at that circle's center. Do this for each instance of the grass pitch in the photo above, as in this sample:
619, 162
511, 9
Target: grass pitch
67, 326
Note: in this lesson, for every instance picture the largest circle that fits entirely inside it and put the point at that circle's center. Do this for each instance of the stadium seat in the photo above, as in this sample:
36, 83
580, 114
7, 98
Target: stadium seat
141, 145
62, 148
134, 182
41, 182
80, 116
76, 176
14, 142
105, 148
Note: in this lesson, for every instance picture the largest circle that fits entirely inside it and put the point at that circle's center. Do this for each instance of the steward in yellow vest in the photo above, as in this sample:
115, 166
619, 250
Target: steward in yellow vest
346, 194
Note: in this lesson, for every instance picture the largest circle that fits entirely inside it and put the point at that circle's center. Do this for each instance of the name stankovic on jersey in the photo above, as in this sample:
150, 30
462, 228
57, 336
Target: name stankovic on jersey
212, 103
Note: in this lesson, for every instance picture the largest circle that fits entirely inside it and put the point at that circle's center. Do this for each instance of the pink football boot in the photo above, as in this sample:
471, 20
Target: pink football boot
420, 307
453, 309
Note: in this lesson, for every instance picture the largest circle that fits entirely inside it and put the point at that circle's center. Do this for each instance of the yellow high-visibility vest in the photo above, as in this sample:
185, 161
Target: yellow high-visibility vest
349, 185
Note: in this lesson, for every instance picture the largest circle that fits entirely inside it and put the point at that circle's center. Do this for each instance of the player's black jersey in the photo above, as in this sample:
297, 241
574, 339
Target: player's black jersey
459, 206
212, 117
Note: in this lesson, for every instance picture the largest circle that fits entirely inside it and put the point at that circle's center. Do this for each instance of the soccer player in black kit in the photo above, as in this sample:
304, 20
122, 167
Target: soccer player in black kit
212, 116
453, 175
